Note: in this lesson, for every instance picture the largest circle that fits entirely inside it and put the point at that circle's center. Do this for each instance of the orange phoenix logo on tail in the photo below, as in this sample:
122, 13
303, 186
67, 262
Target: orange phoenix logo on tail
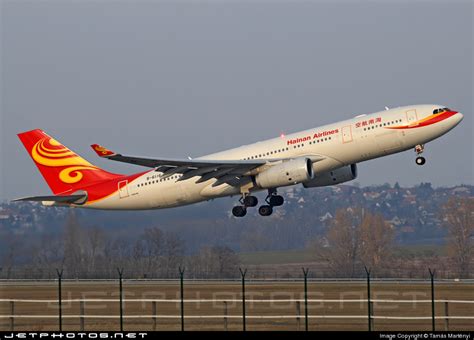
62, 169
49, 152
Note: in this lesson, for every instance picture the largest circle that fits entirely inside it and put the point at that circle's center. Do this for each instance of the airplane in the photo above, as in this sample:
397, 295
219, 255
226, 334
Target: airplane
317, 157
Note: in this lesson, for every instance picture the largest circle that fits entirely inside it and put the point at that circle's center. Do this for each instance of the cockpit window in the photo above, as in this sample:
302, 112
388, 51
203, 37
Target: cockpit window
441, 110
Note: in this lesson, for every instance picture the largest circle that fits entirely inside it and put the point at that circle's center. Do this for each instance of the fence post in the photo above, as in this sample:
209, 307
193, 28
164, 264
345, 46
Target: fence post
369, 304
181, 276
60, 302
120, 272
372, 315
153, 312
433, 323
12, 318
446, 318
243, 273
225, 315
298, 315
305, 273
82, 313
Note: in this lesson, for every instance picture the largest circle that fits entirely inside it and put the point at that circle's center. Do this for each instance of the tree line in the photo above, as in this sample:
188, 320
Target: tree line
90, 252
356, 238
353, 239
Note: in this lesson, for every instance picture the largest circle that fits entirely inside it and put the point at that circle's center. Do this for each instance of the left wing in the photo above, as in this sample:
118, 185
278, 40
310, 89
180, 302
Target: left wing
225, 171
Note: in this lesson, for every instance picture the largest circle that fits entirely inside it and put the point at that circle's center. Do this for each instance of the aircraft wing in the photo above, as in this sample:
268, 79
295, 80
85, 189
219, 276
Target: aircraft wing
231, 172
225, 171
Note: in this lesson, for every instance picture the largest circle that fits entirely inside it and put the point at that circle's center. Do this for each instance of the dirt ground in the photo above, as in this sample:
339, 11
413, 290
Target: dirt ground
319, 312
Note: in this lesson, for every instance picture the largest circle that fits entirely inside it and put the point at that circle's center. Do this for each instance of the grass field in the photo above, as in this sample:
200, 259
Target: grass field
228, 291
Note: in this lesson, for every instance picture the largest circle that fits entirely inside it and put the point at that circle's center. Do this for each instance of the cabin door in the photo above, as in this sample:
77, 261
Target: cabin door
123, 189
346, 134
411, 117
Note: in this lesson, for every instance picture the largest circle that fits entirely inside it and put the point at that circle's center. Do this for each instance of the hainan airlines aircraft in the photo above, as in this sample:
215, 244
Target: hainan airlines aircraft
322, 156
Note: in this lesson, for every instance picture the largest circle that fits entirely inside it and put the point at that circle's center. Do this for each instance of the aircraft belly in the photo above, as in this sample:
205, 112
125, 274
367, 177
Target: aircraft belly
221, 190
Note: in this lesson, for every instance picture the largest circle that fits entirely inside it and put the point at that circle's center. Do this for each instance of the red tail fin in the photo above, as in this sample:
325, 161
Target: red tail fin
62, 169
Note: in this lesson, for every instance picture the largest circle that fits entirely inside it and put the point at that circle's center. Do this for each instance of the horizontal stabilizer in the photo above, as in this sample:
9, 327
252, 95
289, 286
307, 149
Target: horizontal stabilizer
78, 199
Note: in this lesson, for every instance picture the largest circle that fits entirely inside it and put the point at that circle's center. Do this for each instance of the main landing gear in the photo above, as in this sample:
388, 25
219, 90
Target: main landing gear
246, 201
272, 200
419, 150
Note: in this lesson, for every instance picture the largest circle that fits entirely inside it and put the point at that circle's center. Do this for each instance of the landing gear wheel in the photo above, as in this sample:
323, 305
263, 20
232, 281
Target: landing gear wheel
276, 200
250, 201
239, 211
265, 210
420, 160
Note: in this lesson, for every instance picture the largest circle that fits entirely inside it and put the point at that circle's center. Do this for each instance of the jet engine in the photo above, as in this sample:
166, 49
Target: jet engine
289, 172
340, 175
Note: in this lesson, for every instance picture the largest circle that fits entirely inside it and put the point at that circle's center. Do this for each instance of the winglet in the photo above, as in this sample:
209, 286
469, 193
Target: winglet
101, 151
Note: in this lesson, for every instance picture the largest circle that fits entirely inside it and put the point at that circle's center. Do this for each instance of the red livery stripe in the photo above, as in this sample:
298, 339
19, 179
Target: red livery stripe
426, 121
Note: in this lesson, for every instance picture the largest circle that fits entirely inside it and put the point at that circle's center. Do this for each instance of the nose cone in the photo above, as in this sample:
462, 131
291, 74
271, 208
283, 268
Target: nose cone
456, 118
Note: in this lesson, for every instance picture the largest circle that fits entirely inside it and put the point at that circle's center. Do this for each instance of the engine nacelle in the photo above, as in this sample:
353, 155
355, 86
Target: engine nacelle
286, 173
341, 175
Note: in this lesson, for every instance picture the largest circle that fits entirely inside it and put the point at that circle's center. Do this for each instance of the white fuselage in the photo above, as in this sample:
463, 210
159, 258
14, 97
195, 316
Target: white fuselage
340, 144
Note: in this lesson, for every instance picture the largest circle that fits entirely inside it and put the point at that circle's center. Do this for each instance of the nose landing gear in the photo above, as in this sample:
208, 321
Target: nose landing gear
419, 150
420, 160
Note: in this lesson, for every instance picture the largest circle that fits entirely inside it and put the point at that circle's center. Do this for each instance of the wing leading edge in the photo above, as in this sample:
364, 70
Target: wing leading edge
231, 172
225, 171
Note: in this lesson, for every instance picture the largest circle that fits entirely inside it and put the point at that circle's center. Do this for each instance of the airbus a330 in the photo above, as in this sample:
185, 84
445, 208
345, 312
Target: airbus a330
321, 156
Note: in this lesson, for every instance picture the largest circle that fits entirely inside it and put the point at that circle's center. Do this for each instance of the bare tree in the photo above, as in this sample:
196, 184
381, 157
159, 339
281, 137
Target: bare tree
214, 262
227, 262
48, 254
116, 254
342, 245
377, 238
13, 251
153, 240
138, 256
173, 254
96, 238
73, 245
458, 215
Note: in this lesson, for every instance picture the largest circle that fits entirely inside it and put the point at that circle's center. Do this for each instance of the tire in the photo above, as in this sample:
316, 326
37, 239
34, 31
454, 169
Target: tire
250, 201
420, 160
265, 210
276, 201
239, 211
